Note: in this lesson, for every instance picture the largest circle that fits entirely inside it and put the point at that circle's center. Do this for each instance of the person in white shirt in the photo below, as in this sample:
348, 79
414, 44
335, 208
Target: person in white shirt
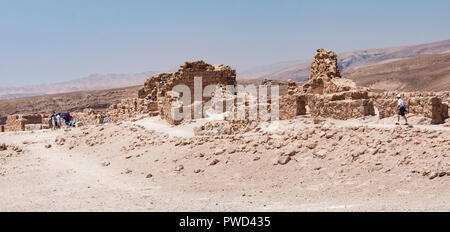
401, 110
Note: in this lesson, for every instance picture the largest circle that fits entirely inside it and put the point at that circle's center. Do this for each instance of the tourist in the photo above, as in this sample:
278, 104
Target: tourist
401, 110
53, 120
58, 120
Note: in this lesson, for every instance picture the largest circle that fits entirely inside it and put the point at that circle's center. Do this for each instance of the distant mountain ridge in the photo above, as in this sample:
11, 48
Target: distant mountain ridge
92, 82
357, 59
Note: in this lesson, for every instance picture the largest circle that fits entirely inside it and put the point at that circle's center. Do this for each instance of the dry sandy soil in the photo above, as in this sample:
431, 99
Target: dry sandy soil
147, 165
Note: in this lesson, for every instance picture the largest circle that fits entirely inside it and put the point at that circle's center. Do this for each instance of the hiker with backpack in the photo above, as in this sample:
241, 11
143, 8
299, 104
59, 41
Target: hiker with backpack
401, 110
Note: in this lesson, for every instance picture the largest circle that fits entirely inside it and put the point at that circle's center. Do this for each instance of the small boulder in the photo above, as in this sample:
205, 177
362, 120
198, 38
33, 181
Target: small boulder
179, 168
214, 162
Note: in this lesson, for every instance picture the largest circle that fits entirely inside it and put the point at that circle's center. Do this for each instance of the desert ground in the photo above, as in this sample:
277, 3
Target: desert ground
145, 164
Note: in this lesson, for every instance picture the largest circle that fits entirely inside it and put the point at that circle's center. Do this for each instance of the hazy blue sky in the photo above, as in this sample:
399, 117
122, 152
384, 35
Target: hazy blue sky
45, 41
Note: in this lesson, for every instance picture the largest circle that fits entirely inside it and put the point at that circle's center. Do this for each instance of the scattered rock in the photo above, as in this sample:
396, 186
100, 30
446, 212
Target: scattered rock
214, 162
179, 168
60, 141
198, 171
106, 164
219, 151
284, 159
322, 154
433, 175
318, 120
311, 145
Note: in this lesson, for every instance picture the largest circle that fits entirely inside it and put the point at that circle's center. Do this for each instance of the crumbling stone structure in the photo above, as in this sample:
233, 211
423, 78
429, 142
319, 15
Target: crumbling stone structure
293, 103
158, 89
130, 108
88, 117
20, 122
326, 93
427, 104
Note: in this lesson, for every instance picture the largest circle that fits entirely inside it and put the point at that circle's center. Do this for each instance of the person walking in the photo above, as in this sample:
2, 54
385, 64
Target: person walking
53, 120
401, 110
58, 120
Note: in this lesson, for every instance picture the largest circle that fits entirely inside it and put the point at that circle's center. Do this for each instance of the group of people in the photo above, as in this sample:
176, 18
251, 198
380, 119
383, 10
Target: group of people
57, 118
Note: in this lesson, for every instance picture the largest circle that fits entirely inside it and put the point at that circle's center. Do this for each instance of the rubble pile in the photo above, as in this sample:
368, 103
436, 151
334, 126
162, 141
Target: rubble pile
216, 128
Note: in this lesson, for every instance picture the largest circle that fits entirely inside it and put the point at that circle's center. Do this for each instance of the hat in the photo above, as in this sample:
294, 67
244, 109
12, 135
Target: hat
399, 96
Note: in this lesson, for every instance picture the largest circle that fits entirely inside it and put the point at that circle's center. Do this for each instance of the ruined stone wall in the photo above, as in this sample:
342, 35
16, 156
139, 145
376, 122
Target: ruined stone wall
168, 106
292, 106
427, 104
325, 75
88, 117
326, 93
342, 109
131, 108
18, 122
157, 87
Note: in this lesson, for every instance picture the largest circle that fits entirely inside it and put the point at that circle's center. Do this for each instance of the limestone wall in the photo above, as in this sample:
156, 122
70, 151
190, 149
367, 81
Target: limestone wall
427, 104
88, 117
326, 93
156, 88
342, 109
18, 122
130, 108
292, 106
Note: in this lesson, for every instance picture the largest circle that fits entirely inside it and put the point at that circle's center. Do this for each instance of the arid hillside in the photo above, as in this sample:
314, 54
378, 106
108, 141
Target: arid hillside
65, 102
358, 59
424, 73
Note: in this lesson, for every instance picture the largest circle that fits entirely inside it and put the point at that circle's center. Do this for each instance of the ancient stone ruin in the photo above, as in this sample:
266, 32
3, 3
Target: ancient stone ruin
325, 95
158, 98
433, 106
20, 122
328, 95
